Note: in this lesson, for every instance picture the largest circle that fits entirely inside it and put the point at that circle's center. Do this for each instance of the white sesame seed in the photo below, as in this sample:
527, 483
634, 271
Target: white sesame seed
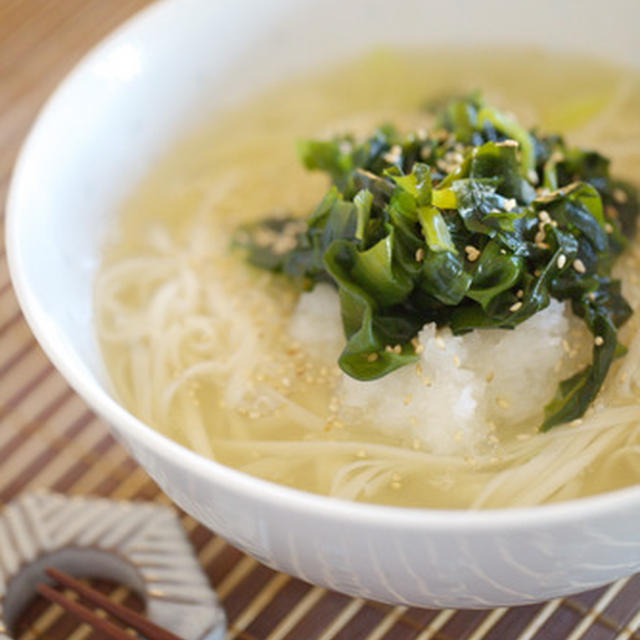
397, 349
578, 265
515, 306
472, 253
532, 176
539, 237
372, 357
510, 204
394, 154
519, 293
598, 341
575, 423
420, 255
608, 227
620, 196
562, 261
508, 143
544, 216
611, 211
284, 244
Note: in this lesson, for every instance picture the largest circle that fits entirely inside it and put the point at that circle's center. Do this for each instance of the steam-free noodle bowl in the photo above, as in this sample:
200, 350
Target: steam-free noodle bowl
233, 363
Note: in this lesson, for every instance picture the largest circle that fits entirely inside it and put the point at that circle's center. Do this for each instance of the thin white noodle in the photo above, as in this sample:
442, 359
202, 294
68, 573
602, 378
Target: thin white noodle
313, 448
201, 369
366, 478
193, 426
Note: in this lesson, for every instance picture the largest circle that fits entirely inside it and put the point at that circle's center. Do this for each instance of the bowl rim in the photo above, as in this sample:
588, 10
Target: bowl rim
260, 490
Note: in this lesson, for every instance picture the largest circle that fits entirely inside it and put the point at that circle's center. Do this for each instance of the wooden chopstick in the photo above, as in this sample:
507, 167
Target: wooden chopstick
86, 615
134, 620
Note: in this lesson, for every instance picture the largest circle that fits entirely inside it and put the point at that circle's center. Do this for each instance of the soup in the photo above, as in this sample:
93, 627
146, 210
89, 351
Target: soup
236, 364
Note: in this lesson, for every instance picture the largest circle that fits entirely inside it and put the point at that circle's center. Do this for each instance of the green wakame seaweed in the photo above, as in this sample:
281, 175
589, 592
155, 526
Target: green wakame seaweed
475, 225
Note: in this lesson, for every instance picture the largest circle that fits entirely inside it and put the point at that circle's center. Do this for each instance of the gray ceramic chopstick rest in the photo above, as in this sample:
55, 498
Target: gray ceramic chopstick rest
139, 544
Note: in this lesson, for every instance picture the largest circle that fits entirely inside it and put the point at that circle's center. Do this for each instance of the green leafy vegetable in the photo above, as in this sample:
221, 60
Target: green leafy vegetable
474, 226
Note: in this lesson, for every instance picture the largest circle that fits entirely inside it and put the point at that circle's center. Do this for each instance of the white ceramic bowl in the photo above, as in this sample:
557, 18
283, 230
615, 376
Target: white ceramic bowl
99, 133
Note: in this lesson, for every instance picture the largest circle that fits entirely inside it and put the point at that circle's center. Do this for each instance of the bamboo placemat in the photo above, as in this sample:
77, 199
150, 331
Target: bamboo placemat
48, 437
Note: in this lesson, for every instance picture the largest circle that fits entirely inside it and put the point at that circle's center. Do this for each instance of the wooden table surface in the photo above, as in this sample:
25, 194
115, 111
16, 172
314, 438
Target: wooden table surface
48, 437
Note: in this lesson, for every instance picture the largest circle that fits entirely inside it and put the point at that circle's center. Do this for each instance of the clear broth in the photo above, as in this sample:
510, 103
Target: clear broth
251, 154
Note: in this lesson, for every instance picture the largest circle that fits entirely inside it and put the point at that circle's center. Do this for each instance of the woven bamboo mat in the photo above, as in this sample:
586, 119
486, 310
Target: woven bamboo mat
48, 437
